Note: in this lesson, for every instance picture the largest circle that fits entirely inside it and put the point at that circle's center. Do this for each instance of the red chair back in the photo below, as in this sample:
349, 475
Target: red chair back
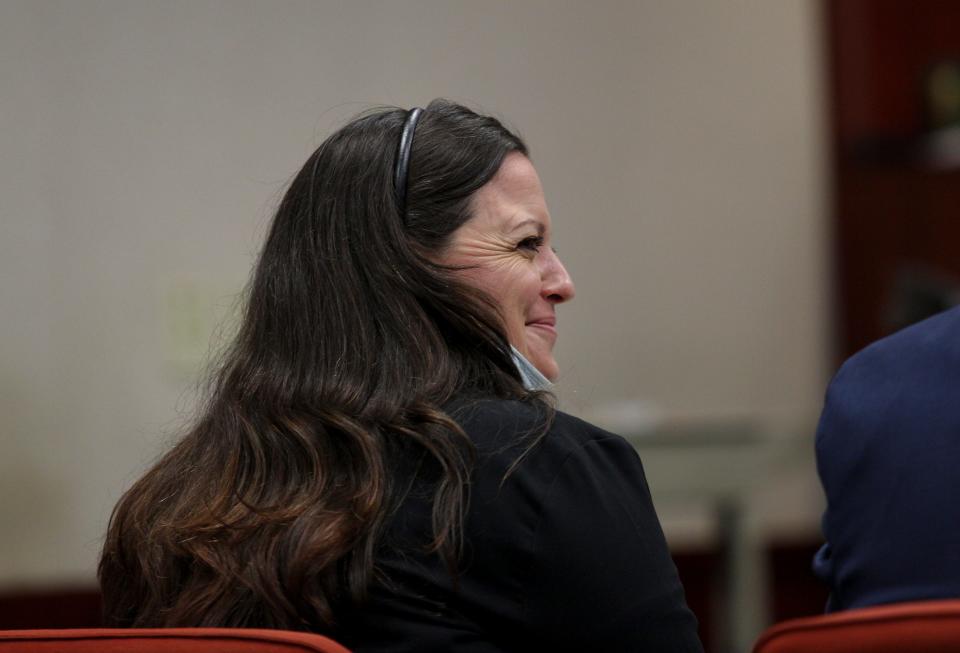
165, 640
918, 627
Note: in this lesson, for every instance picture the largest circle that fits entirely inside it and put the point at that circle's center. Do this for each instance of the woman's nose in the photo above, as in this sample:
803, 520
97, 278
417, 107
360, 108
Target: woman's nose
557, 285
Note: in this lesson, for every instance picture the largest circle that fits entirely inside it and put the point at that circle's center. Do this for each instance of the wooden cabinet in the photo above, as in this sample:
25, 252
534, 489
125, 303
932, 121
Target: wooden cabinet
896, 180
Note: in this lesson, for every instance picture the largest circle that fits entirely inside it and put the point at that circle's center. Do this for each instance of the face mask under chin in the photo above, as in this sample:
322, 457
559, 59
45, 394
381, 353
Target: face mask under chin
532, 377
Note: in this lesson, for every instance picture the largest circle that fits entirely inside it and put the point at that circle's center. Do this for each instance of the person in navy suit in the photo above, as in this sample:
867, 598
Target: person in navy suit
888, 455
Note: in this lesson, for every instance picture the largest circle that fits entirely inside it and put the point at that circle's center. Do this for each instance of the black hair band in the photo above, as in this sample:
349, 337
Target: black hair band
403, 158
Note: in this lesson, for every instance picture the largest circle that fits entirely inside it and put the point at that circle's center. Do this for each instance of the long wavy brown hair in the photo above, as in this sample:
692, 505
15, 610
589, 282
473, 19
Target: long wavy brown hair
269, 510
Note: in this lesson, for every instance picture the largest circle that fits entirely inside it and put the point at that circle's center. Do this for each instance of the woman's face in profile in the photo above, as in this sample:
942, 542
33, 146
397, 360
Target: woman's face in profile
505, 248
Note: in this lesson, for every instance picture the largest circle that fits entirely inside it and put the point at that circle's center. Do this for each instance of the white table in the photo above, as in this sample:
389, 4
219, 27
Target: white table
720, 464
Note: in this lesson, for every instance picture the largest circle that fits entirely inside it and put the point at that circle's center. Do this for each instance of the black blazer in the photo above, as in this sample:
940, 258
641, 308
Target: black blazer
566, 553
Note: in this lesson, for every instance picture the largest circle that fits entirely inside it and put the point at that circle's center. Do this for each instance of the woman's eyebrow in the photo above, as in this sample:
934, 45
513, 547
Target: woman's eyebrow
523, 223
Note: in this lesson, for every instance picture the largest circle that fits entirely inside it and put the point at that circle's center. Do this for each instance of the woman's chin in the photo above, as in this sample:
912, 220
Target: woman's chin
546, 367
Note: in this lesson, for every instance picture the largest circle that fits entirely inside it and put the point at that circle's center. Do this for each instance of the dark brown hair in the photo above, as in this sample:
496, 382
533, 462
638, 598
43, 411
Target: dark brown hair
269, 509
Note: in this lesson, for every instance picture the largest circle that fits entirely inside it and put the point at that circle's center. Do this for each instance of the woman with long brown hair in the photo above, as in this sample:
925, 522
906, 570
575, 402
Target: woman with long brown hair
378, 458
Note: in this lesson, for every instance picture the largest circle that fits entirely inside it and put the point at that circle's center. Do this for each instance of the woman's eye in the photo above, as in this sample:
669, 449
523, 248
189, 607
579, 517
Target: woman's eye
531, 244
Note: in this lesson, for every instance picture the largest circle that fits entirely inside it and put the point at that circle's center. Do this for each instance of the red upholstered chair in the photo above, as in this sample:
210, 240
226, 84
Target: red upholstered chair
165, 640
918, 627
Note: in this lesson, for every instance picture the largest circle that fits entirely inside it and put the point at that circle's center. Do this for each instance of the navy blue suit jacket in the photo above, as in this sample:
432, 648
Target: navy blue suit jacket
888, 455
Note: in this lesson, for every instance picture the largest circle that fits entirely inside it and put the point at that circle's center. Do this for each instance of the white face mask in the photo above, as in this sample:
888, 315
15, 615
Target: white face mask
532, 378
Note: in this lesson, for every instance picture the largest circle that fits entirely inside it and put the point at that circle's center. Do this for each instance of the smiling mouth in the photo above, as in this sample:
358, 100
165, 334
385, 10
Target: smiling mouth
546, 325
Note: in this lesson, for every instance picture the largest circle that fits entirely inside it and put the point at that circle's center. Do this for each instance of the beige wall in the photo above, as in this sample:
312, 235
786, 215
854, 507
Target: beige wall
145, 143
